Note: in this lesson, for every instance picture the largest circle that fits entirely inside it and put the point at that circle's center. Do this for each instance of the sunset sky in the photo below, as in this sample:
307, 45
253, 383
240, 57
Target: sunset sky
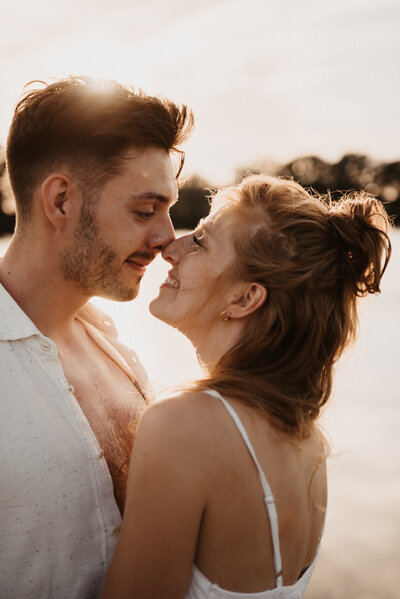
267, 79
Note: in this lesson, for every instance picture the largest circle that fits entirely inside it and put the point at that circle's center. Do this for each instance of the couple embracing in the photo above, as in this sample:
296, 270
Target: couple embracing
224, 493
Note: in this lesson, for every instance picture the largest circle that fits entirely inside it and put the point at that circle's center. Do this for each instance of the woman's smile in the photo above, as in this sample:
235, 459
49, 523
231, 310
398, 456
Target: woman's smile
170, 282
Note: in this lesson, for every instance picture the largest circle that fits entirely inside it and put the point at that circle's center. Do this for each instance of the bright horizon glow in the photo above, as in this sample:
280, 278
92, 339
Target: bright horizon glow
265, 81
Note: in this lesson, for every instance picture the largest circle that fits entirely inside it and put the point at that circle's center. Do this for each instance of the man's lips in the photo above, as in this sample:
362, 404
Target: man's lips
138, 265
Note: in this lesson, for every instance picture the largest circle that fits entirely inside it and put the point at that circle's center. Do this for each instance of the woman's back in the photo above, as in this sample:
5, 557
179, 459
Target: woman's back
235, 546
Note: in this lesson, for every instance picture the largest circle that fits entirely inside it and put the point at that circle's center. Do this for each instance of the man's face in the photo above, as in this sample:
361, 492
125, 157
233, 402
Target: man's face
121, 231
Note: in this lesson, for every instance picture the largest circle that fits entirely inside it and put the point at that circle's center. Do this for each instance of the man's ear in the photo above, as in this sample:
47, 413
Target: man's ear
57, 192
253, 296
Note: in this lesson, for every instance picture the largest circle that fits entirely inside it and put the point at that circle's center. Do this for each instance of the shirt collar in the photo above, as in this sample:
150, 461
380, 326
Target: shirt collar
14, 323
99, 319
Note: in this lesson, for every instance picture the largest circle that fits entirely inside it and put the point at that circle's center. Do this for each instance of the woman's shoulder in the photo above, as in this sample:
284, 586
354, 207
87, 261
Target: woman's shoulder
185, 407
185, 421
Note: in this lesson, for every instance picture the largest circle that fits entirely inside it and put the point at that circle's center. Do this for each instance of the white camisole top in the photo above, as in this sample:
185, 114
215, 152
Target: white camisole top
201, 588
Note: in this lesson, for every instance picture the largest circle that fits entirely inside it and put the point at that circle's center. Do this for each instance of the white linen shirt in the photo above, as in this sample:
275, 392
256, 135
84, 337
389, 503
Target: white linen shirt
59, 521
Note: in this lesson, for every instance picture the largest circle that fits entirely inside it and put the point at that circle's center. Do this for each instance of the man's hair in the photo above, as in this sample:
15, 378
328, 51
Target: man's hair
86, 125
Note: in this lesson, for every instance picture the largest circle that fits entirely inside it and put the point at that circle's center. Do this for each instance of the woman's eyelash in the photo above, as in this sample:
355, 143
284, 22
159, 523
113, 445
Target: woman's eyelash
196, 240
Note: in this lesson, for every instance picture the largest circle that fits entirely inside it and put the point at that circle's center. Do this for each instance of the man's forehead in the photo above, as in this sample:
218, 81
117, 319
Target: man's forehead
151, 172
148, 162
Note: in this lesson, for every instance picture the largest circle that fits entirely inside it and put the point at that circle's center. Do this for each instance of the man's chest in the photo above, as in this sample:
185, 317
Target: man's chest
112, 404
52, 478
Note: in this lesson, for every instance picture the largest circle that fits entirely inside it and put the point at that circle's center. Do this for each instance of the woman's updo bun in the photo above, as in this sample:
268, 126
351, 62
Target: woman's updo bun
358, 226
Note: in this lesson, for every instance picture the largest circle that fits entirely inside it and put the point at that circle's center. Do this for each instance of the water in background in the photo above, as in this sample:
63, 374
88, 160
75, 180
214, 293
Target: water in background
360, 552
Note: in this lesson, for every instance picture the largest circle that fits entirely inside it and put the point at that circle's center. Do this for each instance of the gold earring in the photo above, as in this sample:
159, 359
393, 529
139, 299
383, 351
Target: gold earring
225, 316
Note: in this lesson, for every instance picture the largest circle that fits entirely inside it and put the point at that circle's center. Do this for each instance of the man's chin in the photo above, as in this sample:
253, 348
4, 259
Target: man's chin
125, 294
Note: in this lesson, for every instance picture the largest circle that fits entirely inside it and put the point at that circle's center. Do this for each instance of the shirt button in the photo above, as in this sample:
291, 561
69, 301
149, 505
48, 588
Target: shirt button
71, 388
46, 346
115, 530
100, 454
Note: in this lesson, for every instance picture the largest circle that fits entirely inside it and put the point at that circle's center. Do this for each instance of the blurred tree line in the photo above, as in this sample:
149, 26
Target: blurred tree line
7, 218
352, 172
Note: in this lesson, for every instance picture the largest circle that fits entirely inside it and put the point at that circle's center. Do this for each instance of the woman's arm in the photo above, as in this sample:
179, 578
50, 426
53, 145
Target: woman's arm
164, 507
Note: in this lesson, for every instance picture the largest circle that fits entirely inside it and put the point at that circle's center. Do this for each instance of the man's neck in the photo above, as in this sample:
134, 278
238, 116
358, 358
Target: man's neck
35, 283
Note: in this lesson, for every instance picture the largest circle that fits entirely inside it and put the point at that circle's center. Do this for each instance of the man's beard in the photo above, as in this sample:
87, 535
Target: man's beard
92, 264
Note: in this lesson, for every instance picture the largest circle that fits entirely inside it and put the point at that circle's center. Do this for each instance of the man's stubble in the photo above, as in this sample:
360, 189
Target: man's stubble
92, 264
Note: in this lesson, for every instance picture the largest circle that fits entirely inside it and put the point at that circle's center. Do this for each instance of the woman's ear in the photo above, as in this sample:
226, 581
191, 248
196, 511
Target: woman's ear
250, 299
56, 197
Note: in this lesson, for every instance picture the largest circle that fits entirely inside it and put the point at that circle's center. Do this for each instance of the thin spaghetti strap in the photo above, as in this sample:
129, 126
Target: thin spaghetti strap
268, 496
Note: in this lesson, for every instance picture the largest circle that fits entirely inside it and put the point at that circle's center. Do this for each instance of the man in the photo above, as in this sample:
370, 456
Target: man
91, 171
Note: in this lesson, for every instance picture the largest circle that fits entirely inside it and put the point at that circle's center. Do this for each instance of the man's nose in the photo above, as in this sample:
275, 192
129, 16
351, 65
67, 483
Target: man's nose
163, 235
169, 253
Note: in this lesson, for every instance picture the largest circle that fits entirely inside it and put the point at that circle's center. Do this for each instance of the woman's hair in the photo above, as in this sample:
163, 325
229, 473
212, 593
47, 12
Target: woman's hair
315, 257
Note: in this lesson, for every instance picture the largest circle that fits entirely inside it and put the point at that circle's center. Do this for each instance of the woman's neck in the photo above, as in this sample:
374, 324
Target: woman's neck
210, 345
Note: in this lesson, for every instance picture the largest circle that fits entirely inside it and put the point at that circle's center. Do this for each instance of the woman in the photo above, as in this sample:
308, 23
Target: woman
227, 484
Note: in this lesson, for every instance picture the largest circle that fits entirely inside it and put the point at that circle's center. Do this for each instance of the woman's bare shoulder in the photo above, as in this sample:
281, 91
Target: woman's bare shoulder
183, 421
187, 406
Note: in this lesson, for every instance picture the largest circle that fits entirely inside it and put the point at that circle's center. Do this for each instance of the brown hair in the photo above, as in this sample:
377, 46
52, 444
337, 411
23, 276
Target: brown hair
86, 124
315, 258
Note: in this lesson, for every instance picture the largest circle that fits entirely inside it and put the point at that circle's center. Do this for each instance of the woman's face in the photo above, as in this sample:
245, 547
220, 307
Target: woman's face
199, 284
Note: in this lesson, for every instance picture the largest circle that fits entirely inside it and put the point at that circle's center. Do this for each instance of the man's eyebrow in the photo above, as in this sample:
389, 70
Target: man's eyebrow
150, 195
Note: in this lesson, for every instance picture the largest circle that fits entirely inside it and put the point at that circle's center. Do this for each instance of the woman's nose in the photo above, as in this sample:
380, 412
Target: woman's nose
173, 252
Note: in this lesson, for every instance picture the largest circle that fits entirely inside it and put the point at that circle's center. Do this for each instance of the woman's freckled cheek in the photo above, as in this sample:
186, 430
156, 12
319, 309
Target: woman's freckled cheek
192, 283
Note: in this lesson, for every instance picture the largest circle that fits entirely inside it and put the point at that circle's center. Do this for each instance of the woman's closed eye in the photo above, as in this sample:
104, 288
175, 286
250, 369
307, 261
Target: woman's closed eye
198, 239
